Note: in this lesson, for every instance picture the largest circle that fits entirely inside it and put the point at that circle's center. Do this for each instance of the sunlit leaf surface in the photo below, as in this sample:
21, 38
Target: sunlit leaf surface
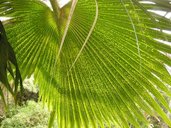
111, 66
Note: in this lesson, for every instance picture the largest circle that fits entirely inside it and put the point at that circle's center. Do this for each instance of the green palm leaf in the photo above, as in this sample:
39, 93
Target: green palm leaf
106, 68
7, 58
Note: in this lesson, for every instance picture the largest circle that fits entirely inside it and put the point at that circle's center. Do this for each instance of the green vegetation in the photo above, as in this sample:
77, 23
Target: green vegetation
7, 60
31, 115
97, 62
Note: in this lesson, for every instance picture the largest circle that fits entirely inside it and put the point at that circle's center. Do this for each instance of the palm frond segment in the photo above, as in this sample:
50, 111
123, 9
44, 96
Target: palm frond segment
120, 72
7, 59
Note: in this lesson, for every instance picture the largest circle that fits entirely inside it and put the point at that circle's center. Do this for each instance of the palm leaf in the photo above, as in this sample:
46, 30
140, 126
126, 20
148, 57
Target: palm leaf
105, 69
7, 57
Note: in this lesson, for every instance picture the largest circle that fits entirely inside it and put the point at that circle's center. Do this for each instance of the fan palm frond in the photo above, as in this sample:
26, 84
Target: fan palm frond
107, 68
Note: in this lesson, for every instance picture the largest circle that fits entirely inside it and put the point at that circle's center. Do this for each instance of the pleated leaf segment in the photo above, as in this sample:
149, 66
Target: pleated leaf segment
98, 63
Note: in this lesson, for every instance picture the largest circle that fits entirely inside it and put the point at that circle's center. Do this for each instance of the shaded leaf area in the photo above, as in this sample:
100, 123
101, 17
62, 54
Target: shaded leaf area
118, 75
7, 59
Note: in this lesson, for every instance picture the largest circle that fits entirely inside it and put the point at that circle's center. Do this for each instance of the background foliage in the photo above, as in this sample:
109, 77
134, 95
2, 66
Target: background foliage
31, 115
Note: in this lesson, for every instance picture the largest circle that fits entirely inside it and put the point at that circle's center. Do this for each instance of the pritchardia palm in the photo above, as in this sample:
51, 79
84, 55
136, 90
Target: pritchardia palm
97, 62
